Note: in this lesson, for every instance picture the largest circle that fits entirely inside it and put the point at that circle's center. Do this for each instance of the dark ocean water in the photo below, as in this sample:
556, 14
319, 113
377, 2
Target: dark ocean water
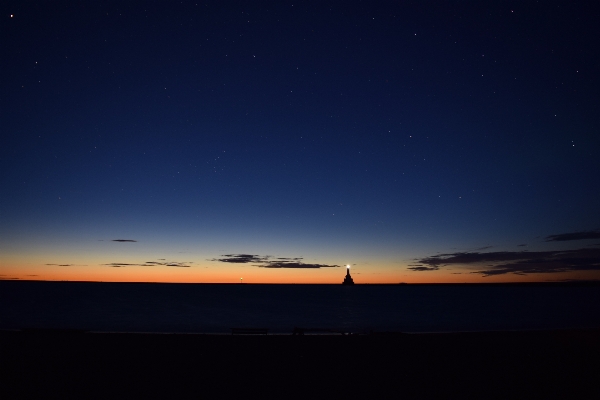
150, 307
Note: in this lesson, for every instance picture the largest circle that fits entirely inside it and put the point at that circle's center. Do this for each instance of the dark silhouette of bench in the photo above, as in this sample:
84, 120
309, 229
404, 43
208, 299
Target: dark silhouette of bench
249, 331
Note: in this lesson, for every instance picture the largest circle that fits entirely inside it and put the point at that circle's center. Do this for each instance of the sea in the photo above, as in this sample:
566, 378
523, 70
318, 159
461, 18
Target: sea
320, 309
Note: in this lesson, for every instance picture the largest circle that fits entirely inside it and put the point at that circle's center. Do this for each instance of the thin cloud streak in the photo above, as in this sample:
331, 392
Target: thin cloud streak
269, 261
583, 235
241, 258
277, 264
183, 264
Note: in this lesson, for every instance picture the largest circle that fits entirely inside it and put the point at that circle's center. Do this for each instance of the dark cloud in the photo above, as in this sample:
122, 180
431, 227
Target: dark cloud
477, 257
119, 264
278, 264
183, 264
521, 245
518, 262
124, 240
422, 268
563, 237
269, 261
61, 265
241, 258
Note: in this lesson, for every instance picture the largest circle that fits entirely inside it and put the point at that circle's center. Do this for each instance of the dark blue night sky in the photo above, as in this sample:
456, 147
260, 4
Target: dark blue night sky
449, 141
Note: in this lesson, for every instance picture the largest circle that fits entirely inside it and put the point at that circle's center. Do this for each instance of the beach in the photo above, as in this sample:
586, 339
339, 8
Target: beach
508, 364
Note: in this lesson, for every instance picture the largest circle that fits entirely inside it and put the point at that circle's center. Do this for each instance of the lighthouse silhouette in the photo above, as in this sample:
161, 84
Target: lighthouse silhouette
348, 279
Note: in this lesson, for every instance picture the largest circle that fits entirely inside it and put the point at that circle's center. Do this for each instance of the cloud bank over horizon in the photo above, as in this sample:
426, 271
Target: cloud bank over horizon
515, 262
583, 235
520, 262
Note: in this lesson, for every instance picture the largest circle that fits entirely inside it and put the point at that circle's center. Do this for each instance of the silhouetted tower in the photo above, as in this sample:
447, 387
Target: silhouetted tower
348, 279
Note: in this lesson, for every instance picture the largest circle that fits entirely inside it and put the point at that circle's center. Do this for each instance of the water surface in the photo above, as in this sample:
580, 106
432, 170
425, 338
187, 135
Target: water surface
213, 308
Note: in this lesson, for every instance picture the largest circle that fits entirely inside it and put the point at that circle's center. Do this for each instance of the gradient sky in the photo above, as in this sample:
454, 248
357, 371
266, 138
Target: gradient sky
450, 141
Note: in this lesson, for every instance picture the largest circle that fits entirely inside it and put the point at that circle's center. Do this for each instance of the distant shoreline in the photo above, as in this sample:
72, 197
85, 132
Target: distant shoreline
554, 283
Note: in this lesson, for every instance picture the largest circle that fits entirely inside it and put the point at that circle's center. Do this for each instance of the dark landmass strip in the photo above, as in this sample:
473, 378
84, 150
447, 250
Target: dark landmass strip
553, 283
539, 364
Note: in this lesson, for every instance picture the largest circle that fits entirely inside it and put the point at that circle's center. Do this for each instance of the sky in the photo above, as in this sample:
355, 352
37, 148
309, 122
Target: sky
278, 142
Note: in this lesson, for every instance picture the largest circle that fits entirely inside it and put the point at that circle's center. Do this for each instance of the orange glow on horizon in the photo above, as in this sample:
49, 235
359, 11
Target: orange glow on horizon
96, 267
252, 274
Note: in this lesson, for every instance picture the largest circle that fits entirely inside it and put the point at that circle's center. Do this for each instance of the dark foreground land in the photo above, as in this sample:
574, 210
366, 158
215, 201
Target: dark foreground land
557, 364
